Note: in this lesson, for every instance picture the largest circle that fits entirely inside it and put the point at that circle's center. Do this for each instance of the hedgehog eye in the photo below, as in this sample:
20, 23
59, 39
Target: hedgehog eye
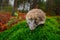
40, 19
35, 22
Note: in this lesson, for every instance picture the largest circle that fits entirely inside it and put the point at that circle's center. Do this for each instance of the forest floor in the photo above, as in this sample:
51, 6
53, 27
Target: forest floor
6, 16
50, 30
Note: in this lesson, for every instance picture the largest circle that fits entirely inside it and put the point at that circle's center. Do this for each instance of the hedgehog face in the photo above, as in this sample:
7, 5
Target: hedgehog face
32, 24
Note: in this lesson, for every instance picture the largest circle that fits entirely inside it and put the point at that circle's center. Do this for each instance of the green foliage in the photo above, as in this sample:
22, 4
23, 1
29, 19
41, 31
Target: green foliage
16, 14
50, 31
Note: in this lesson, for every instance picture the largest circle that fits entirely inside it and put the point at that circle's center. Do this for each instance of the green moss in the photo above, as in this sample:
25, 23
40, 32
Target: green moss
50, 31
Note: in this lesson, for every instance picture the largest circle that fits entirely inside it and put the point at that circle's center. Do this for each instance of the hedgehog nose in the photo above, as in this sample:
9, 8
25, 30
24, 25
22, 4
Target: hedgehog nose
32, 28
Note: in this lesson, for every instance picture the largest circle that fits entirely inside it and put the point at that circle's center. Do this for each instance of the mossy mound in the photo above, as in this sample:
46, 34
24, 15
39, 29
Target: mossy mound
50, 31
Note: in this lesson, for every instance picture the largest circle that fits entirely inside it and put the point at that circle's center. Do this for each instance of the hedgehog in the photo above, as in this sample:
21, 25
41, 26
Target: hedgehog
35, 17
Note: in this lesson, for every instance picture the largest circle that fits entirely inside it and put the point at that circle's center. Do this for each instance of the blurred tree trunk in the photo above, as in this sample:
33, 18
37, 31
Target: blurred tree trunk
50, 5
0, 4
14, 7
57, 7
5, 2
34, 3
53, 5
